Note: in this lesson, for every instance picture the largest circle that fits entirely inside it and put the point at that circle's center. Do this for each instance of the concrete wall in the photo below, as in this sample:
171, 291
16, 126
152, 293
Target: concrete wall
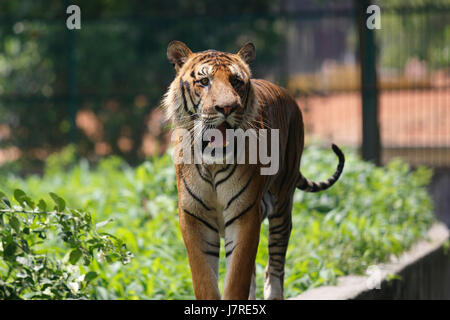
440, 192
421, 273
426, 278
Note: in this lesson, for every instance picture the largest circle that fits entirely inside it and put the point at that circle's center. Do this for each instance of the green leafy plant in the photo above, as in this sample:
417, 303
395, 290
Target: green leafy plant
370, 214
28, 268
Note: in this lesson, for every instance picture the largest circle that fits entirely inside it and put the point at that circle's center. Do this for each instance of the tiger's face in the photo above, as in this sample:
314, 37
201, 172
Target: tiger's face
211, 88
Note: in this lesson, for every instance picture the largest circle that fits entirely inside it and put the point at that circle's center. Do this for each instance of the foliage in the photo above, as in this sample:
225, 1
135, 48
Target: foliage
429, 31
369, 215
30, 231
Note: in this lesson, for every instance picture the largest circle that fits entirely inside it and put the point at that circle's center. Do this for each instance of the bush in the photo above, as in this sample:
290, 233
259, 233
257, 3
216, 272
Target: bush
29, 268
369, 215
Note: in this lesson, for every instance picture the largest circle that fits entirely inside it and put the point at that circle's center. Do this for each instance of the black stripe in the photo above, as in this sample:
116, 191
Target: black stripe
276, 275
188, 88
212, 253
215, 56
280, 228
277, 260
281, 210
202, 72
184, 99
229, 222
277, 254
265, 100
210, 60
218, 63
286, 162
257, 83
227, 177
241, 191
206, 56
201, 220
311, 186
278, 243
292, 183
264, 201
301, 183
247, 95
221, 170
202, 176
229, 252
225, 57
284, 232
192, 194
263, 209
216, 245
315, 187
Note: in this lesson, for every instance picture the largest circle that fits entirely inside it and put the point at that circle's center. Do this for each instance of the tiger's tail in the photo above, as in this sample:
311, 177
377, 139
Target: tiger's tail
311, 186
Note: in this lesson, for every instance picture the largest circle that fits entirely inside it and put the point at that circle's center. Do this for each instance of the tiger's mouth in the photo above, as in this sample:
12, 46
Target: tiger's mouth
212, 142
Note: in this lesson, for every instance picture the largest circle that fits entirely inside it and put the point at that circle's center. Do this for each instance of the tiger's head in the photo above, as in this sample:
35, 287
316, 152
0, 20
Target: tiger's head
211, 88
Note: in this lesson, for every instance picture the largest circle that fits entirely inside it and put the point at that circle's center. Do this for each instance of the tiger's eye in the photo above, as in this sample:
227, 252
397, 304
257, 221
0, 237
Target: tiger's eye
235, 81
204, 81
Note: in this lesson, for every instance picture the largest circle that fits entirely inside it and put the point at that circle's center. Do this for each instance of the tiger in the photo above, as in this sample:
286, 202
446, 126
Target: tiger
229, 201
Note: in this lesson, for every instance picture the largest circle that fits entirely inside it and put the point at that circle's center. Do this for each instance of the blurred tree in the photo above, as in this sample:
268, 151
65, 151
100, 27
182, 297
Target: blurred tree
114, 69
414, 28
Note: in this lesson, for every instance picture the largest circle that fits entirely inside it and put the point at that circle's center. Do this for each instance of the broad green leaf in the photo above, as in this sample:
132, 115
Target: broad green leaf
15, 224
22, 198
9, 250
60, 203
42, 205
4, 202
91, 275
75, 255
19, 195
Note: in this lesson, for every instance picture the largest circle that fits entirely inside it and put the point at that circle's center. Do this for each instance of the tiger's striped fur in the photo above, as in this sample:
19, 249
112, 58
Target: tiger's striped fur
231, 200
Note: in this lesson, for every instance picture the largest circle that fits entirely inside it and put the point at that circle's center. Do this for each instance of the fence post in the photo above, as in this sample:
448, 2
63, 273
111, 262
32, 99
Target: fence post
371, 145
71, 81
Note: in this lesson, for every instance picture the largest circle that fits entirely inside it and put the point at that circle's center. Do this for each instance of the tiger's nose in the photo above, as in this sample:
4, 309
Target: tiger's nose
226, 110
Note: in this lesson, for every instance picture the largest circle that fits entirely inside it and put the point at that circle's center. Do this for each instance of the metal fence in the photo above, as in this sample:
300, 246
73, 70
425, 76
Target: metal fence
413, 82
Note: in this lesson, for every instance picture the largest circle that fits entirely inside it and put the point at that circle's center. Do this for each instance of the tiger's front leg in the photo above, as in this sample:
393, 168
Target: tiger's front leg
202, 242
241, 245
199, 228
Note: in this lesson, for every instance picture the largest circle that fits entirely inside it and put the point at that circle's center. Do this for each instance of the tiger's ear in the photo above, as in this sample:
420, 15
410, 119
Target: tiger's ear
178, 53
247, 52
